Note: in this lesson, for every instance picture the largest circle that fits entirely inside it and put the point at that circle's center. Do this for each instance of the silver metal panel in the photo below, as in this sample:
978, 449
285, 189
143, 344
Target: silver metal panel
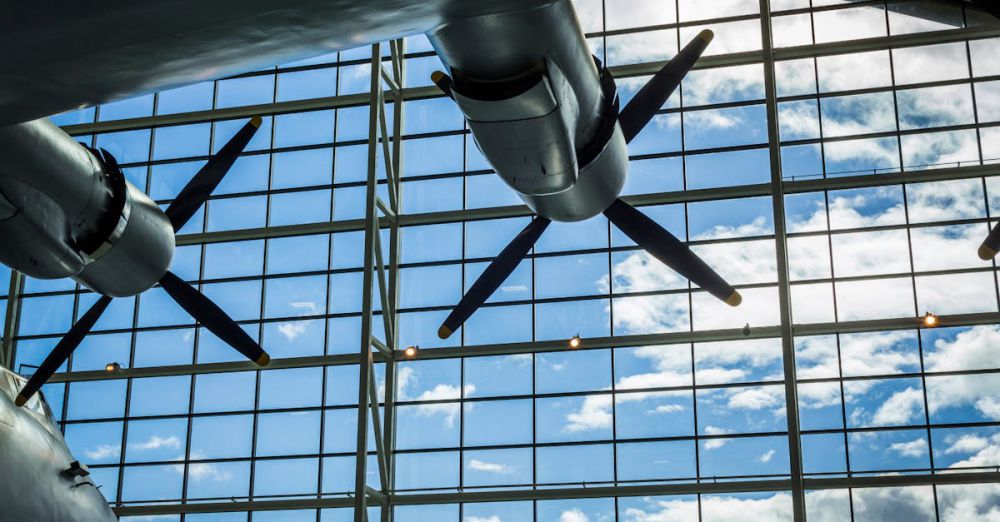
536, 102
515, 42
531, 147
140, 257
34, 241
33, 455
42, 156
597, 186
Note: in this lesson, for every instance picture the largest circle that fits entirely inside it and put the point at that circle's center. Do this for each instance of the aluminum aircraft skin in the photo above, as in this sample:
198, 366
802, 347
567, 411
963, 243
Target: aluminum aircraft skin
41, 479
544, 112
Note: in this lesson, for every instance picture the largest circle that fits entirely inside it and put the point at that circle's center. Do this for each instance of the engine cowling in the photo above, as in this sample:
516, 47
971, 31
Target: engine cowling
66, 211
524, 126
136, 254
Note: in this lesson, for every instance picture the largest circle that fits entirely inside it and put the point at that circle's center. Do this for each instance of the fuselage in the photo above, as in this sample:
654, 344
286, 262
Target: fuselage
34, 460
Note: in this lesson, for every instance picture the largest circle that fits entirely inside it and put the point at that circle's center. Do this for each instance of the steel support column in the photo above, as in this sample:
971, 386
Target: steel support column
365, 360
387, 280
10, 320
394, 171
784, 288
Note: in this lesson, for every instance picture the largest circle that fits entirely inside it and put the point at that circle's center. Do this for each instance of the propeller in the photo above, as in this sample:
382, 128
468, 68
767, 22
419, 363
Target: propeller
670, 251
180, 211
63, 348
636, 225
643, 106
988, 250
494, 276
197, 191
444, 82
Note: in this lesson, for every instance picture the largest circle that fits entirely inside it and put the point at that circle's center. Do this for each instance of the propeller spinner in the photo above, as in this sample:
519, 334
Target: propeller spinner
183, 208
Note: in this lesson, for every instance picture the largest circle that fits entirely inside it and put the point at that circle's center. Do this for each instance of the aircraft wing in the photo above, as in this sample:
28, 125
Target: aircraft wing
58, 56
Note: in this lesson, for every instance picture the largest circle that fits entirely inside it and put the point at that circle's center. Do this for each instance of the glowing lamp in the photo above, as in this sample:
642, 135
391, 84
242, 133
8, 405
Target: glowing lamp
931, 320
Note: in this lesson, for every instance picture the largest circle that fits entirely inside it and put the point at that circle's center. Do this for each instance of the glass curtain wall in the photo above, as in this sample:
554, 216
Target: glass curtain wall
889, 123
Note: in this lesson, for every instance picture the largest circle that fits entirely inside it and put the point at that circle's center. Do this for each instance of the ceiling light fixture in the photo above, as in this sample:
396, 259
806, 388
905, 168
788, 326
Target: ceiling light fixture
575, 341
411, 351
113, 367
931, 320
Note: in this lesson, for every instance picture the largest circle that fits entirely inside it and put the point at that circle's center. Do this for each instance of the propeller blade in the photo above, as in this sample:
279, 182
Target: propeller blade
495, 274
670, 250
61, 352
443, 81
658, 89
197, 191
988, 250
212, 317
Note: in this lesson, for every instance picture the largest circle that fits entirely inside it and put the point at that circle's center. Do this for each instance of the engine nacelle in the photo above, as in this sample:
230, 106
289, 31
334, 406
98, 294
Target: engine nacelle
603, 168
136, 254
66, 211
524, 126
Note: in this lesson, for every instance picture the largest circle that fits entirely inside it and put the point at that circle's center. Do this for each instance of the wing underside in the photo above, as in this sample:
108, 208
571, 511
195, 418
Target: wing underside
79, 55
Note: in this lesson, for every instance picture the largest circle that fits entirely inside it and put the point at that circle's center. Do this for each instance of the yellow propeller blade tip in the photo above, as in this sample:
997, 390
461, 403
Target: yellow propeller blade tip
444, 332
256, 121
707, 35
20, 400
263, 360
986, 253
734, 299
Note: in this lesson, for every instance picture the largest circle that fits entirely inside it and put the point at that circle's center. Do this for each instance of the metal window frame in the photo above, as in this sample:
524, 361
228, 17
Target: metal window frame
383, 271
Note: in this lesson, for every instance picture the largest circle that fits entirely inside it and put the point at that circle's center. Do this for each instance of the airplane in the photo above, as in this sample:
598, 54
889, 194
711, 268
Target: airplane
33, 451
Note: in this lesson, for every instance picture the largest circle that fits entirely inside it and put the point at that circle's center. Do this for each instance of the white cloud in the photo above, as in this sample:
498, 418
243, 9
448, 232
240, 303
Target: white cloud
669, 408
913, 448
490, 467
305, 307
980, 502
776, 508
766, 457
981, 451
595, 413
156, 442
757, 398
207, 471
823, 506
202, 470
712, 444
900, 408
972, 349
573, 515
103, 451
492, 518
292, 330
967, 444
407, 379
